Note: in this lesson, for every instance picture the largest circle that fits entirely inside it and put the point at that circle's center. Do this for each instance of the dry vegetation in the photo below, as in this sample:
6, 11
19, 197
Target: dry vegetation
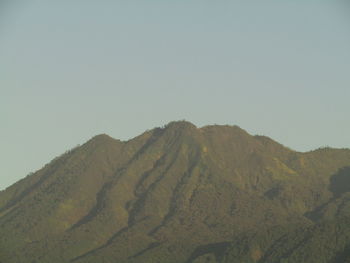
181, 194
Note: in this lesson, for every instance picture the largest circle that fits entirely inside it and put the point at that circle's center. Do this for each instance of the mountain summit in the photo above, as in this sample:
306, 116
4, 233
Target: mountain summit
181, 194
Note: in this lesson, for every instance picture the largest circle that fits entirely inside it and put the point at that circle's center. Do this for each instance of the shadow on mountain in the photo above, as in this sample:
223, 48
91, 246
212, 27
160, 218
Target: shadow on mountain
218, 249
342, 257
151, 246
340, 182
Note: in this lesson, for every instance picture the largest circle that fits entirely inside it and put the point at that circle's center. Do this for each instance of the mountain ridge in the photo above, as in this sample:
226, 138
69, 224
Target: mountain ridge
178, 194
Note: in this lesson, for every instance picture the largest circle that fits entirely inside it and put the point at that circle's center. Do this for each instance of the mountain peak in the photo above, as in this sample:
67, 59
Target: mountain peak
175, 194
180, 125
102, 138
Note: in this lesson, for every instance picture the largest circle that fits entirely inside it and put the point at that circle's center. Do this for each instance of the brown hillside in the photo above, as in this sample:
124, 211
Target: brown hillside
179, 194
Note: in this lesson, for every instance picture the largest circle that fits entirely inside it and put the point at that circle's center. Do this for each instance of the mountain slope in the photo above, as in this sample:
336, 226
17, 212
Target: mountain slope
180, 194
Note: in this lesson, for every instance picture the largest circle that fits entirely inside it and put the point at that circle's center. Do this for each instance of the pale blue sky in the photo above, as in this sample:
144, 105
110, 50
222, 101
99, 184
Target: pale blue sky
74, 69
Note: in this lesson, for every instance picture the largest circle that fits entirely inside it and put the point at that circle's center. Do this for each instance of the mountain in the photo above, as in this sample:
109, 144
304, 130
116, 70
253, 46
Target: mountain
181, 194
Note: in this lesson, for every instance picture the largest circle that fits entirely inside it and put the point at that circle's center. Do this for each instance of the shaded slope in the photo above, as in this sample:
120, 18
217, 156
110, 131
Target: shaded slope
177, 194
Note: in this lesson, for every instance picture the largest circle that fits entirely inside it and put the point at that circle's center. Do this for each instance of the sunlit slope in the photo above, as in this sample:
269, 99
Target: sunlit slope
180, 194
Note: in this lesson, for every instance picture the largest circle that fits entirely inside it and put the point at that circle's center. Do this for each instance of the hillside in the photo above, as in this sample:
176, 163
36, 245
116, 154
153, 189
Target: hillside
181, 194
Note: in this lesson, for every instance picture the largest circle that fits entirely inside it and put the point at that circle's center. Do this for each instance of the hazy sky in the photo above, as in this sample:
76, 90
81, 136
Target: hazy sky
72, 69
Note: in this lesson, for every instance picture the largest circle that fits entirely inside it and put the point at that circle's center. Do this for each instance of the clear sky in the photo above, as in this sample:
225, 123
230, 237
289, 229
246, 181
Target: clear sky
72, 69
